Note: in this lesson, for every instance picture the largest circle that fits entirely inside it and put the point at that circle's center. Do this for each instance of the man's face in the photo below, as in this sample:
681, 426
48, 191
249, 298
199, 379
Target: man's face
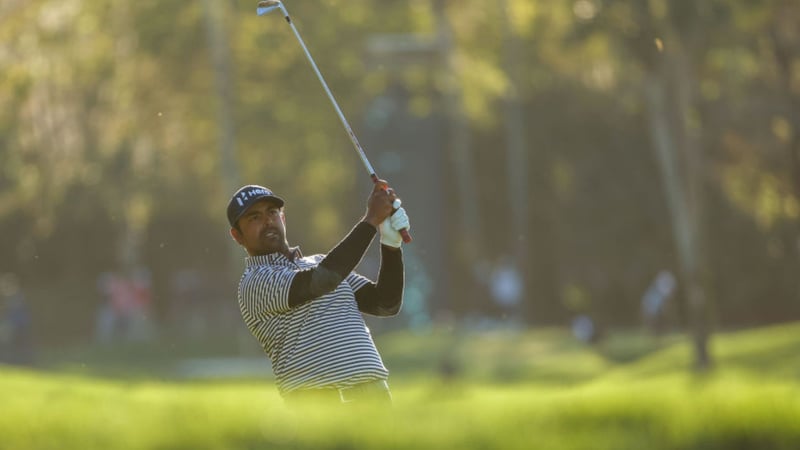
262, 229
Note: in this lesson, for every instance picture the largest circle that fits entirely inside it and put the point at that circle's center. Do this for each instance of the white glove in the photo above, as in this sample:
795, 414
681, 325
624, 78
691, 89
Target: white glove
390, 228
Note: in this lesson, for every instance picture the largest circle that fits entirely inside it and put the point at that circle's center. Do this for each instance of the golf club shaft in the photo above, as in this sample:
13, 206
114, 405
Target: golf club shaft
271, 5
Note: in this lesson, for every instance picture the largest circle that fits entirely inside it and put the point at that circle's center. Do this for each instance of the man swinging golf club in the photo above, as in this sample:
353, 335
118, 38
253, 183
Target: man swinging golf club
306, 310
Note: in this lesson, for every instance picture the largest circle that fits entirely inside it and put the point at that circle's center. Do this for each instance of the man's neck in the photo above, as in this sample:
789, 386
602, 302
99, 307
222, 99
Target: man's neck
286, 251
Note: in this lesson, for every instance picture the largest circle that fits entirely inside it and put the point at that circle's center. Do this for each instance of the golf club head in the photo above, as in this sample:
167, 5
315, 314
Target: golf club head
267, 6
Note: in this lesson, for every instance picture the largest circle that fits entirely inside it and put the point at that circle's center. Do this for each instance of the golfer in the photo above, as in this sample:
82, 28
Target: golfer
306, 310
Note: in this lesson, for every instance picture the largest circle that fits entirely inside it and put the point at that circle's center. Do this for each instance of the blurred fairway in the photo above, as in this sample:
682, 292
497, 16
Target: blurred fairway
469, 390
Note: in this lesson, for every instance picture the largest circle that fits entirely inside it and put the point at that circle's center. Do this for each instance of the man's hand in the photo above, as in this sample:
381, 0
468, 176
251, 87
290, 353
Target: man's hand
390, 228
379, 204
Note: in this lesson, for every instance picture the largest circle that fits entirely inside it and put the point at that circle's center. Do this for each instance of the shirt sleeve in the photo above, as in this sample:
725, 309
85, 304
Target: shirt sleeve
384, 298
357, 281
332, 269
265, 290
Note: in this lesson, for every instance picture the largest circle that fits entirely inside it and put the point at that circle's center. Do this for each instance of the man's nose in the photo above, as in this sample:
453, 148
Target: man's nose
269, 220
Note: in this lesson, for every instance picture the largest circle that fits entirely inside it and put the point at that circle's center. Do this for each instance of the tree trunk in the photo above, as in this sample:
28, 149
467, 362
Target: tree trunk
459, 147
218, 45
698, 295
678, 184
459, 135
223, 85
517, 158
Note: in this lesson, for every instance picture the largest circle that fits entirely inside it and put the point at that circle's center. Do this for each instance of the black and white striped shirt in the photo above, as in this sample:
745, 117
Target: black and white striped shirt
321, 343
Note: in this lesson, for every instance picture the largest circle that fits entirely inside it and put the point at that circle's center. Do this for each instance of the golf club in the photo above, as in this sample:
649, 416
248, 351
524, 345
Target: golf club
267, 6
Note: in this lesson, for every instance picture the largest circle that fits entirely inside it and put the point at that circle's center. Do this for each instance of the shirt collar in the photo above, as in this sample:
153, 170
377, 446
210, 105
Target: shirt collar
276, 258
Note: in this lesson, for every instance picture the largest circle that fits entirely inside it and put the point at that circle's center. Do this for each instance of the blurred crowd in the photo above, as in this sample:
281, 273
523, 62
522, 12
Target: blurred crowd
16, 344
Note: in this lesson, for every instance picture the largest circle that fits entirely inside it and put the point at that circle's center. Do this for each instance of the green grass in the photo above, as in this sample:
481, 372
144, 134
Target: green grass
531, 390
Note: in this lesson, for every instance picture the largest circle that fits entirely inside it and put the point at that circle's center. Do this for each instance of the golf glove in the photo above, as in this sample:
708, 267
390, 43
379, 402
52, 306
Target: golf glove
390, 228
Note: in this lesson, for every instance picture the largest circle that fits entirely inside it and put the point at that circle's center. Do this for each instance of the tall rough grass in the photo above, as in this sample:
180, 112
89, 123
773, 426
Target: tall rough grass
750, 401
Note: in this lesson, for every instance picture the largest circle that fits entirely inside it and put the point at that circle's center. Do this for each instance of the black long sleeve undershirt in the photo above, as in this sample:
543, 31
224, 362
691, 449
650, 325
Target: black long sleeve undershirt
386, 297
340, 261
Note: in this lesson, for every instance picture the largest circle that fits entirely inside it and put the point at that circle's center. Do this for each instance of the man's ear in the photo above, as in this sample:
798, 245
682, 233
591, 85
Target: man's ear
236, 235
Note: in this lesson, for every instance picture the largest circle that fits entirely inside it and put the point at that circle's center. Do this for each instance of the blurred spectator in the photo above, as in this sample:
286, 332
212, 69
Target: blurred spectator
105, 318
140, 315
655, 298
188, 306
585, 329
125, 310
16, 345
505, 285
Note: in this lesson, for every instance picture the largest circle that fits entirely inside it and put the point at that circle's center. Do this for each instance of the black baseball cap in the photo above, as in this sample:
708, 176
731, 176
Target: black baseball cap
245, 197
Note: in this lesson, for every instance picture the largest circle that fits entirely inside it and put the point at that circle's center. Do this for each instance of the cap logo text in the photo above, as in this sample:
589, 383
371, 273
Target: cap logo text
251, 193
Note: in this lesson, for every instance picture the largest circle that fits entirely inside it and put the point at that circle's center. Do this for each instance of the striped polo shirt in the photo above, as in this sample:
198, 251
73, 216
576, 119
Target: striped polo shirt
319, 344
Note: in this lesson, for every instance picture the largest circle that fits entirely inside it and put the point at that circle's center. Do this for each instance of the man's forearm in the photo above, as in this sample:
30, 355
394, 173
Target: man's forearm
349, 252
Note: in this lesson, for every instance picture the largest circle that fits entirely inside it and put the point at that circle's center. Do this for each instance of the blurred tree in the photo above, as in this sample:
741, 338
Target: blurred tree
659, 36
784, 39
